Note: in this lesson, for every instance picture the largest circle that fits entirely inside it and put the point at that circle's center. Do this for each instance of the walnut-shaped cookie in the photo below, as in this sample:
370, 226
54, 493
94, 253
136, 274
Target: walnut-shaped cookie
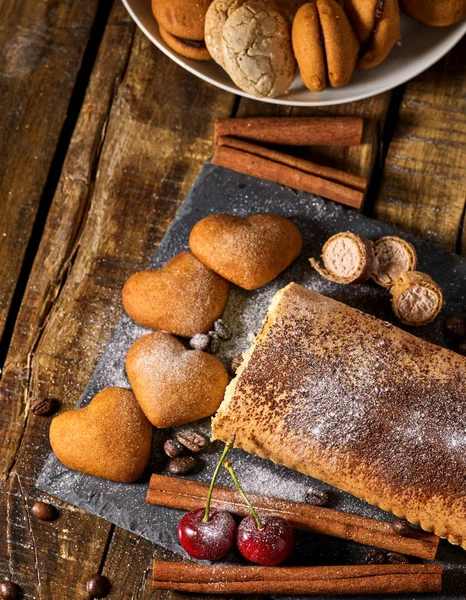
324, 44
377, 25
438, 13
173, 385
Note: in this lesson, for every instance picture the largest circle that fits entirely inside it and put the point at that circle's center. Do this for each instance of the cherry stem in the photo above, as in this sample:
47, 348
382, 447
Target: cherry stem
229, 467
228, 445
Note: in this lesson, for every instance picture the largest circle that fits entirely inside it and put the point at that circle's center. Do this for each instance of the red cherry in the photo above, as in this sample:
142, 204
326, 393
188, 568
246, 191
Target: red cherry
207, 540
269, 545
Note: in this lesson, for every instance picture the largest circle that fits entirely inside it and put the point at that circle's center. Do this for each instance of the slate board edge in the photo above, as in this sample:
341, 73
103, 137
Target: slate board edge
164, 253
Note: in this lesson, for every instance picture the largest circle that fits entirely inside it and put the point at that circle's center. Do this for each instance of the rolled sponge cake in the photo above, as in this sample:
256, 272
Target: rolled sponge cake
358, 403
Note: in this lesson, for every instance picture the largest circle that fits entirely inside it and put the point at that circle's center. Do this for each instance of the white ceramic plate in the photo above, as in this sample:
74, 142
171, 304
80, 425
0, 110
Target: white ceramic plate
421, 47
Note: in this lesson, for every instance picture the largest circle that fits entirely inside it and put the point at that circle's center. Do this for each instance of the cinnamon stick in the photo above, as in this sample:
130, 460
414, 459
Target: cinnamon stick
354, 181
190, 495
294, 131
264, 168
354, 579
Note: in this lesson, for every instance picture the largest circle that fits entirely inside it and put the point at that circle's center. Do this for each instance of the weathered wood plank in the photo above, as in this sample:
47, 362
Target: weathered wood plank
41, 48
423, 189
44, 558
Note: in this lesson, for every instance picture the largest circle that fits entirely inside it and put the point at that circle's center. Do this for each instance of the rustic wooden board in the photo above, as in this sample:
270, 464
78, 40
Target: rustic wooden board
423, 189
42, 45
44, 558
64, 224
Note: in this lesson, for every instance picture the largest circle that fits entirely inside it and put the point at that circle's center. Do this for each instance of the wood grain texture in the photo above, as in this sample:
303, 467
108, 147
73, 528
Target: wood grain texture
44, 557
41, 48
424, 183
63, 227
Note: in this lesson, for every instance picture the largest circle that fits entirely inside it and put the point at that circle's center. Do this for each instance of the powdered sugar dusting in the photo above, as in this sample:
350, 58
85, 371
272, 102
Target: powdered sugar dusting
218, 190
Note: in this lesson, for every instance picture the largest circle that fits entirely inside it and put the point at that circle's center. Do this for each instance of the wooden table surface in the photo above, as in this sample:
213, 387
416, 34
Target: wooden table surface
101, 137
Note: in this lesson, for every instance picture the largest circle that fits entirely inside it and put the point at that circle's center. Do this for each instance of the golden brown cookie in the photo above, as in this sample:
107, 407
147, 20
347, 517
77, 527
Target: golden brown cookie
324, 44
377, 26
184, 297
308, 47
438, 13
109, 438
215, 19
181, 24
257, 52
173, 385
341, 44
247, 251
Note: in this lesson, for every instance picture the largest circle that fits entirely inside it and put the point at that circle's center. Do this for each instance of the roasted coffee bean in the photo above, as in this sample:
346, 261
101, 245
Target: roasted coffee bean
98, 586
9, 591
222, 330
191, 440
44, 511
402, 527
462, 349
43, 406
375, 557
201, 341
214, 342
456, 326
236, 363
395, 558
173, 449
180, 466
316, 497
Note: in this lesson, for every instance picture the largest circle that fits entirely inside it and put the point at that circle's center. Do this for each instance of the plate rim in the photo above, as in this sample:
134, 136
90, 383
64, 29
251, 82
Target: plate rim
455, 36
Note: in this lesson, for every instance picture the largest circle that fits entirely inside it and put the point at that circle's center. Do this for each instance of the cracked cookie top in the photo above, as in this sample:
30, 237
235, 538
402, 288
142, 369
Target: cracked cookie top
257, 52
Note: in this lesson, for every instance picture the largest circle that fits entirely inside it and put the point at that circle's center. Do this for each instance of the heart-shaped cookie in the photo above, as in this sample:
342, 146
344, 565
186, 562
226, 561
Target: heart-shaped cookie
184, 297
109, 438
174, 385
247, 251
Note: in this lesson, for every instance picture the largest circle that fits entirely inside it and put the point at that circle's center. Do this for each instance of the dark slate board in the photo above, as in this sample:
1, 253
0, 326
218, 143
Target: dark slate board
219, 190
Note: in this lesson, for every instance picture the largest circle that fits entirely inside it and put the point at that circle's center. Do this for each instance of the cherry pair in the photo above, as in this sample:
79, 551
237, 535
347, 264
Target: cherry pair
210, 534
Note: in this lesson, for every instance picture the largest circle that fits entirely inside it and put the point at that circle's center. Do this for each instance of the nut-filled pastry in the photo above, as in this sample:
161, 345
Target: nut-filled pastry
344, 397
